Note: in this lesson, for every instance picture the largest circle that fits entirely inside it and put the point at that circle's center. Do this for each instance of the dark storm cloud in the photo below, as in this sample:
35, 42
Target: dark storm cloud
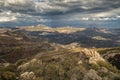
87, 6
58, 7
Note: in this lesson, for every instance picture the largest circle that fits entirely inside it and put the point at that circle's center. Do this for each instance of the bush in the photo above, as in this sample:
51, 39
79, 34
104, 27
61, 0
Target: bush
8, 76
108, 66
20, 62
76, 73
11, 68
116, 78
53, 72
94, 66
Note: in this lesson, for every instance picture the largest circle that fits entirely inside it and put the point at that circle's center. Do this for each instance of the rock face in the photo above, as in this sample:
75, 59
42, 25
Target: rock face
92, 75
113, 58
92, 55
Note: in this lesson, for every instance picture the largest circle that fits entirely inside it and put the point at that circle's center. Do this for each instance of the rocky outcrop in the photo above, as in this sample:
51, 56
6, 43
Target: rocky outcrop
113, 58
92, 55
28, 76
92, 75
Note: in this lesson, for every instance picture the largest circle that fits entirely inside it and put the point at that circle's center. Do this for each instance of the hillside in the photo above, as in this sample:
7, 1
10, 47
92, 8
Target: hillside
44, 53
86, 37
18, 45
64, 64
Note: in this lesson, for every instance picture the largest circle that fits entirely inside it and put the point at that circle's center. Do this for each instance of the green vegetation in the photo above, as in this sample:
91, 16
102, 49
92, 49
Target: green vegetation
66, 68
8, 76
8, 73
108, 66
109, 50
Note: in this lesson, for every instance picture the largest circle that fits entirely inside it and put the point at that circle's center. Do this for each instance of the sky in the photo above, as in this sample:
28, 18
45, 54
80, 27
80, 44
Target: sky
56, 13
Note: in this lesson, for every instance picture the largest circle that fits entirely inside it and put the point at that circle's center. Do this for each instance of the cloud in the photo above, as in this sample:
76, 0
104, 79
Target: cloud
7, 16
55, 10
82, 6
7, 19
17, 5
52, 7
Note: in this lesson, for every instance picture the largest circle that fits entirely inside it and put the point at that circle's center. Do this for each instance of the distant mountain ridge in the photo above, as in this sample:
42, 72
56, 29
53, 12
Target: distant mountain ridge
87, 37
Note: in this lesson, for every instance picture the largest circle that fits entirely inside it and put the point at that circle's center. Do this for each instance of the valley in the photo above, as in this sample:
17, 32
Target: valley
65, 53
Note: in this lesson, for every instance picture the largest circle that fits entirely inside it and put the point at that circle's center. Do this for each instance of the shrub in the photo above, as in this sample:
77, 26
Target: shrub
8, 76
20, 62
53, 72
116, 78
11, 68
76, 73
94, 66
108, 66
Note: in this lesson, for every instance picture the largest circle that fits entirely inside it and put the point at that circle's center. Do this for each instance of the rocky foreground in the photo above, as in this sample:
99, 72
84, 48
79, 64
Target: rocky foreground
41, 53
